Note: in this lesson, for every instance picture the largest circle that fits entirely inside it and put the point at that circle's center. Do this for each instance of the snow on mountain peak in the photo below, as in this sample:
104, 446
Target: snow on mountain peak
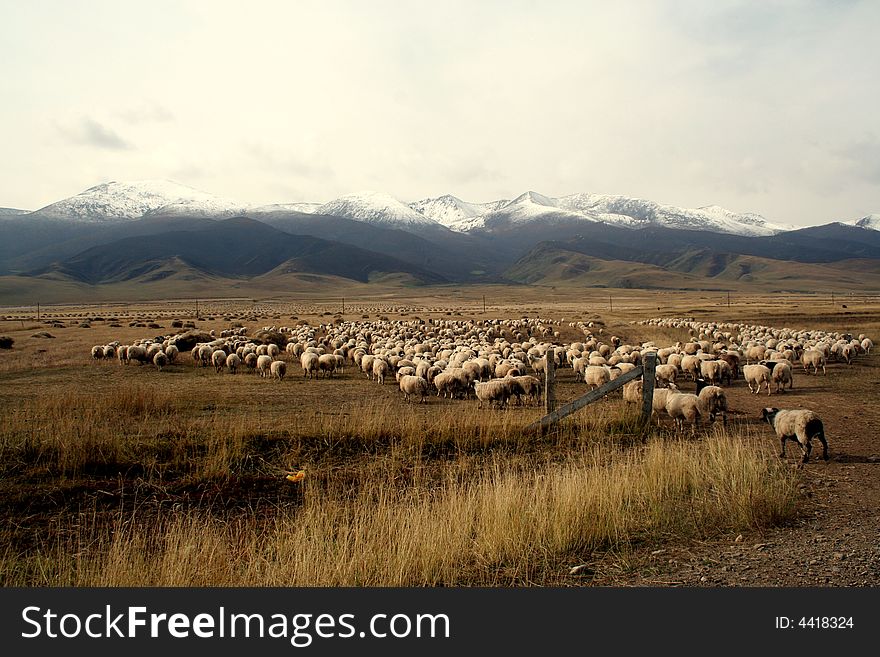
870, 222
375, 208
135, 199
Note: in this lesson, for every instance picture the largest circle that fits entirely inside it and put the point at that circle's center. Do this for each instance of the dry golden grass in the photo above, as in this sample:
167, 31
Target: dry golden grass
121, 475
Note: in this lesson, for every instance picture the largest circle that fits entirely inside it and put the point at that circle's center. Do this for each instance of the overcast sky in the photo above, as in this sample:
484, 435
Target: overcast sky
768, 107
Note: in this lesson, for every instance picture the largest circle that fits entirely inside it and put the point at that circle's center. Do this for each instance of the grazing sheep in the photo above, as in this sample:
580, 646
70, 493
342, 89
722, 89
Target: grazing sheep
309, 363
525, 385
110, 352
449, 383
250, 361
801, 425
218, 360
380, 370
327, 364
867, 345
632, 392
278, 369
781, 374
733, 361
757, 375
97, 352
405, 371
813, 358
665, 375
712, 371
658, 404
273, 350
690, 366
494, 390
682, 407
264, 365
138, 354
596, 376
413, 385
172, 352
160, 360
713, 401
233, 362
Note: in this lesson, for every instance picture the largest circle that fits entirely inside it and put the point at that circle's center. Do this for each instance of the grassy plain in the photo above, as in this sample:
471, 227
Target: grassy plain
123, 475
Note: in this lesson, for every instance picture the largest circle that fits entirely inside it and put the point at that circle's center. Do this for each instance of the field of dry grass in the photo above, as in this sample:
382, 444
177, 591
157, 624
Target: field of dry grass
123, 475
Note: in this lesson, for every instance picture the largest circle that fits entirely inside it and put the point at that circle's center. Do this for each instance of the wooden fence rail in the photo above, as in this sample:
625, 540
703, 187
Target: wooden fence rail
646, 370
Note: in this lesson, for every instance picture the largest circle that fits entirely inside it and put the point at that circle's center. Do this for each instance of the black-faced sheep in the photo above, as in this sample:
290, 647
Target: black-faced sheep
801, 425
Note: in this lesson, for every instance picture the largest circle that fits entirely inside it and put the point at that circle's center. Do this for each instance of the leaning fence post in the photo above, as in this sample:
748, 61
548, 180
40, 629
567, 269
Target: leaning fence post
550, 381
649, 363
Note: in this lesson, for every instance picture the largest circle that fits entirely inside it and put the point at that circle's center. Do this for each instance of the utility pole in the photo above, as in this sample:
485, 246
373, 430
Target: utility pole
484, 304
728, 298
38, 311
343, 305
611, 303
197, 308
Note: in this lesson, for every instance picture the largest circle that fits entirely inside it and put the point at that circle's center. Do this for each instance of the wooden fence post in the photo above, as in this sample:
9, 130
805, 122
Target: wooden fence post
649, 363
550, 382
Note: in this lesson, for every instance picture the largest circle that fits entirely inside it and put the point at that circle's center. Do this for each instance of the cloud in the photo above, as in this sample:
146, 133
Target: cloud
89, 132
147, 112
863, 158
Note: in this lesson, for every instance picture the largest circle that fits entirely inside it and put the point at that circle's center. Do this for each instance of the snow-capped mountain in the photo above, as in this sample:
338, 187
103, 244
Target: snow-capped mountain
376, 208
114, 201
454, 213
127, 201
306, 208
617, 210
871, 222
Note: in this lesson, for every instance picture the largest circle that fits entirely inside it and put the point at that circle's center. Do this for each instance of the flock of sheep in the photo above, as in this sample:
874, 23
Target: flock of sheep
501, 361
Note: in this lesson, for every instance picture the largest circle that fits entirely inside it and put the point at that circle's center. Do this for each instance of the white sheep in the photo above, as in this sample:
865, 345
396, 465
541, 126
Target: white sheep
497, 390
413, 385
264, 365
757, 375
233, 362
327, 364
218, 359
632, 392
380, 370
781, 375
713, 401
278, 369
813, 358
684, 406
309, 363
665, 375
596, 376
801, 425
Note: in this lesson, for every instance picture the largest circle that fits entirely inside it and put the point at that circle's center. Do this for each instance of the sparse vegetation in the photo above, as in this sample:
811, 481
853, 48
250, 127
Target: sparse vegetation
121, 475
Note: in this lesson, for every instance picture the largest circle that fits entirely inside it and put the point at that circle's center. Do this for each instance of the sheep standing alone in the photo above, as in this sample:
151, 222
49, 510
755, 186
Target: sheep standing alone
801, 425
